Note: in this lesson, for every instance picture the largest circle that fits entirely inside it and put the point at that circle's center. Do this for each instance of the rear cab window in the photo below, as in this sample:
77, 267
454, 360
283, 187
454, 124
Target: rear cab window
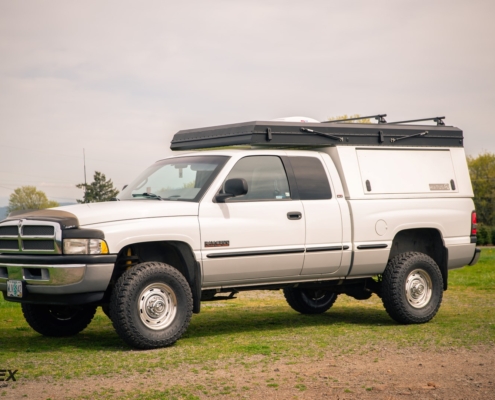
311, 178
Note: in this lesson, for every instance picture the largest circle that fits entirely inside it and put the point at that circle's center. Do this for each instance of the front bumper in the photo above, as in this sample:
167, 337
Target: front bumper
56, 275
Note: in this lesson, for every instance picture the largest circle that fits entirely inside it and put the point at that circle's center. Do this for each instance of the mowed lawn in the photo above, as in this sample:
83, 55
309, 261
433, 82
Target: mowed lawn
257, 324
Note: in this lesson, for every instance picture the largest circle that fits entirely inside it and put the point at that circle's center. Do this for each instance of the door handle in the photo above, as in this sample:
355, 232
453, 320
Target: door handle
295, 215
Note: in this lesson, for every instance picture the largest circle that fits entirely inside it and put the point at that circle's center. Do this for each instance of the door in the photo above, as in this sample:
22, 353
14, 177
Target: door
322, 216
256, 236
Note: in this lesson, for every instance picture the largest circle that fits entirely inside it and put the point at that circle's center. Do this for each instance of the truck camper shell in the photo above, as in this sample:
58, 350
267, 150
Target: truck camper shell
297, 134
379, 160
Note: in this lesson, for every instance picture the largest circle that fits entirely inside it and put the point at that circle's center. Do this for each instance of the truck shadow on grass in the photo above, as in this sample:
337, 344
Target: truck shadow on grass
247, 321
101, 336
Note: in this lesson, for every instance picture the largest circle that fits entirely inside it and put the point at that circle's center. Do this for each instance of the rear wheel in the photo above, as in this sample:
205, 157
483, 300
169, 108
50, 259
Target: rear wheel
151, 305
58, 321
412, 288
309, 301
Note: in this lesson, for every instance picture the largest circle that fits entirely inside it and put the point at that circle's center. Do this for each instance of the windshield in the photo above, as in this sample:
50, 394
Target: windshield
181, 179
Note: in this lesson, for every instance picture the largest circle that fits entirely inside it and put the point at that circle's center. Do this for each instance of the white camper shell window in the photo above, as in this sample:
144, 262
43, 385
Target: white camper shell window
404, 171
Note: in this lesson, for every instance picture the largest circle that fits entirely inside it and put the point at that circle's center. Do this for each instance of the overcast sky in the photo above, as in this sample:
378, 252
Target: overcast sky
119, 78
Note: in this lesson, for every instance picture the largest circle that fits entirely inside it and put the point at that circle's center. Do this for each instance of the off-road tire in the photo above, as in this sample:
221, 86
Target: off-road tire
58, 321
412, 288
308, 301
132, 305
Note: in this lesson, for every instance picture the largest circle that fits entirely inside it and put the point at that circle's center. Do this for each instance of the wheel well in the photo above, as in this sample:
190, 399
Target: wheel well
177, 254
424, 240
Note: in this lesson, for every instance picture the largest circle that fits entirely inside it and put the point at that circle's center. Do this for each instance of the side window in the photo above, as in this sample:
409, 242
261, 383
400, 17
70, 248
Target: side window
265, 176
311, 179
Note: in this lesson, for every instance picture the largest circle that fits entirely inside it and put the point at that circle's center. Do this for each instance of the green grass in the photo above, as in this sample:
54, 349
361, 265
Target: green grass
479, 276
255, 330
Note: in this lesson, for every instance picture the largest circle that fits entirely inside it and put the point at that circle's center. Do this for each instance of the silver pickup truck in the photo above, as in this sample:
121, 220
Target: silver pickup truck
313, 209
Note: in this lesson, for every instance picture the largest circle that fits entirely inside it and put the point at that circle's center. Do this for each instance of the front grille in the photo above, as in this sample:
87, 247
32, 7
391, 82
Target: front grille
9, 230
38, 245
35, 237
38, 230
9, 245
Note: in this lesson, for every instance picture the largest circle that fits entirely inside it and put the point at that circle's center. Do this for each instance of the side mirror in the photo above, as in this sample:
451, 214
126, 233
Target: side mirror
233, 187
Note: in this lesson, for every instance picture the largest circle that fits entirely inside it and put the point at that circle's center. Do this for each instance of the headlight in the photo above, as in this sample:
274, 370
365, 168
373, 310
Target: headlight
85, 246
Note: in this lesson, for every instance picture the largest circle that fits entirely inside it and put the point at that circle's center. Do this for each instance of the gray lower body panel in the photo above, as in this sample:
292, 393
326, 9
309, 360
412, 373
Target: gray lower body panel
461, 255
58, 279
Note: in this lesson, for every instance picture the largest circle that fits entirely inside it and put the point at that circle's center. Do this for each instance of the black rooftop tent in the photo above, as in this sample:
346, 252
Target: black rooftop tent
297, 134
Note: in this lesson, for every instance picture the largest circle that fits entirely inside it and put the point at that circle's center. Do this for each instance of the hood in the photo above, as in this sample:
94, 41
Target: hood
96, 213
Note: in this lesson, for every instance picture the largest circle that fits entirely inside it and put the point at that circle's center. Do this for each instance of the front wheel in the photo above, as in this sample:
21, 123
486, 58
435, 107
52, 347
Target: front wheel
412, 288
58, 321
151, 305
309, 301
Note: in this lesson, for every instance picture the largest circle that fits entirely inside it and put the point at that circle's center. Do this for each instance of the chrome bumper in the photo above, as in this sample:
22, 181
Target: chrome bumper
58, 279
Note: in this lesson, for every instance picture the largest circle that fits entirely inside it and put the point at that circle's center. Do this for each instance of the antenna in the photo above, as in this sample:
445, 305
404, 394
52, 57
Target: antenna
84, 161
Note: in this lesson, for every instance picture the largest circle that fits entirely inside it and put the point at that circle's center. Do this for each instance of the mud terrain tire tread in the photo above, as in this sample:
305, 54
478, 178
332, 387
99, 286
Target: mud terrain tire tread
394, 292
301, 302
58, 321
124, 311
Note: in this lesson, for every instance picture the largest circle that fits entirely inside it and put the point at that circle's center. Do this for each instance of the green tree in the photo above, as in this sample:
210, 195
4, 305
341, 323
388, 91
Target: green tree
482, 236
99, 190
482, 171
345, 116
29, 198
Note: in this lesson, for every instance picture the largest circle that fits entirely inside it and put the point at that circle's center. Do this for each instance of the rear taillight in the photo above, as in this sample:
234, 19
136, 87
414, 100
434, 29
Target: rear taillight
474, 225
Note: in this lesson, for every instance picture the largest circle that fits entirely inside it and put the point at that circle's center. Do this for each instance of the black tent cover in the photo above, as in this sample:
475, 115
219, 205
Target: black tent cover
295, 134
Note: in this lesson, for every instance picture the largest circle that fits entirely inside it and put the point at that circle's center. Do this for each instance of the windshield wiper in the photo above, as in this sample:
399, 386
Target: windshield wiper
149, 195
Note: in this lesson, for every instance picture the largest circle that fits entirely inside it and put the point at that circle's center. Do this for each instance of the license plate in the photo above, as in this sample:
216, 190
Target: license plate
14, 289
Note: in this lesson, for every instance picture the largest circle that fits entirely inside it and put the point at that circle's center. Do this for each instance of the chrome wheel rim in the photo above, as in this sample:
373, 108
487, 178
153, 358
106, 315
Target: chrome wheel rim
157, 306
418, 288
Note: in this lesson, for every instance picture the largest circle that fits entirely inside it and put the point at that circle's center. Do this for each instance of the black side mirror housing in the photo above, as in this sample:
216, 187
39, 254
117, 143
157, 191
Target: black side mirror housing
233, 187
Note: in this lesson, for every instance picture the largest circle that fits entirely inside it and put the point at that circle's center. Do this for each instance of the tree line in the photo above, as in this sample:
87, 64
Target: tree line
30, 198
482, 172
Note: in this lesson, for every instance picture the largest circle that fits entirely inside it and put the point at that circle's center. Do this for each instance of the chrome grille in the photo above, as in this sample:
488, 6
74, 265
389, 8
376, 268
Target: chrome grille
30, 237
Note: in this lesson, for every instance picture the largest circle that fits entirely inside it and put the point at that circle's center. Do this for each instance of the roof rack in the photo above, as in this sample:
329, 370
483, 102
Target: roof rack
438, 120
379, 117
297, 134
